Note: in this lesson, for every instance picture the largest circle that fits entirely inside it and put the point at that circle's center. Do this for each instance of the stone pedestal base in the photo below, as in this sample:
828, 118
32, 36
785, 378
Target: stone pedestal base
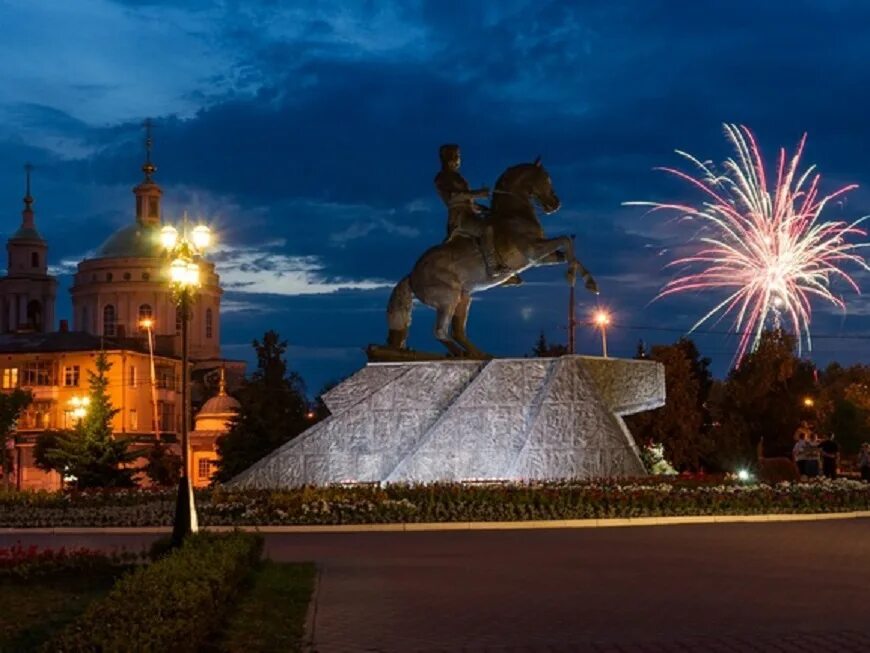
504, 419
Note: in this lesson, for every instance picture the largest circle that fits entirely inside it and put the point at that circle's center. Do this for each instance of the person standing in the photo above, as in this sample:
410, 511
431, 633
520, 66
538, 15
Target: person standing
812, 455
830, 452
798, 452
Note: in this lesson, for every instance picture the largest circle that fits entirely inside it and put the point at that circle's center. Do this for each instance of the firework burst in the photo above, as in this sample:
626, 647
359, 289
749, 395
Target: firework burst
765, 245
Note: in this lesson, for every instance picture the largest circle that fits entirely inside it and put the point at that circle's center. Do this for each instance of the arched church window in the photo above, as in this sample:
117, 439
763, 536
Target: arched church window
34, 315
85, 325
209, 323
110, 324
108, 276
34, 259
127, 276
145, 313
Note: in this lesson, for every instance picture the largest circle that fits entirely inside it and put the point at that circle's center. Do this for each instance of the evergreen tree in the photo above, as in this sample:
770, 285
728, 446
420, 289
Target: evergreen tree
544, 349
11, 406
273, 410
89, 454
163, 466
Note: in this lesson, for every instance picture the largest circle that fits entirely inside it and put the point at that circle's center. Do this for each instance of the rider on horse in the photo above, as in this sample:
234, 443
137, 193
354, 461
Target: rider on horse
465, 217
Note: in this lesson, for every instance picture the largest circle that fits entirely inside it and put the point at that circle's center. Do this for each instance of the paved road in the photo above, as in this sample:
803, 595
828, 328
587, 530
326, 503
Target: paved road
737, 587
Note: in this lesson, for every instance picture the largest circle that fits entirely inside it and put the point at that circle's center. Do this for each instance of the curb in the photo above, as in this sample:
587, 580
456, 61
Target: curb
461, 526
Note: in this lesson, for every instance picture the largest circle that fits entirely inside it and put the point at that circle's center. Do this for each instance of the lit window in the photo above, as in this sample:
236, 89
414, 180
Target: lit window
10, 378
134, 419
37, 373
109, 321
71, 375
36, 416
204, 468
167, 415
133, 376
209, 323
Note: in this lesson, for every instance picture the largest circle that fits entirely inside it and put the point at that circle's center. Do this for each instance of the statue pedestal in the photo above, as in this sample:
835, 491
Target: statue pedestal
504, 419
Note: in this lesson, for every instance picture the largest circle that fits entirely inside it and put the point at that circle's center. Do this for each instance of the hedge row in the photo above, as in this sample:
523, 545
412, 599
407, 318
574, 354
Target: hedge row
435, 503
173, 604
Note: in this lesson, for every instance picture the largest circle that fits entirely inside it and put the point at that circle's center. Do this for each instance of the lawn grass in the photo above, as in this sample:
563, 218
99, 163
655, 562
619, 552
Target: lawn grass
33, 610
270, 614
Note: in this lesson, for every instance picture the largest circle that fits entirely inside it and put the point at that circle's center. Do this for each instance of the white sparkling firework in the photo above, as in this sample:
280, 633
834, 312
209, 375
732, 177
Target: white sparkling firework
767, 247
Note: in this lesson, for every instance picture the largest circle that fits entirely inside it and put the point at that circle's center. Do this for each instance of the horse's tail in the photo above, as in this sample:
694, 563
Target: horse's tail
399, 314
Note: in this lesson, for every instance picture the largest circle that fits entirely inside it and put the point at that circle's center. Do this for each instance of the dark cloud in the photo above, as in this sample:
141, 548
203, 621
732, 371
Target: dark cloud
320, 132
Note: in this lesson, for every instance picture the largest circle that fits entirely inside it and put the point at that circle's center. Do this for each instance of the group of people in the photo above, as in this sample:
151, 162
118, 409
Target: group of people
815, 456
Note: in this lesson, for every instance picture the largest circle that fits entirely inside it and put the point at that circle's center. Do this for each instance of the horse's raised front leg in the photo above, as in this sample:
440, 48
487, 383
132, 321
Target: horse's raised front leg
550, 251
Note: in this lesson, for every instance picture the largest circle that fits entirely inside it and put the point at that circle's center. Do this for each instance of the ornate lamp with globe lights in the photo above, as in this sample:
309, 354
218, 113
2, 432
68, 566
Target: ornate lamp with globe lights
185, 249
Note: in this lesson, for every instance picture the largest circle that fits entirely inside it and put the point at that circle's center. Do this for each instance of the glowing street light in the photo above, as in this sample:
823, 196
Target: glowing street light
185, 251
80, 406
168, 237
601, 319
809, 402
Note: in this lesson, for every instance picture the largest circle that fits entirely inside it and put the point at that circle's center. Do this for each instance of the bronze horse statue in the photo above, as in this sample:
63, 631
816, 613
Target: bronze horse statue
446, 275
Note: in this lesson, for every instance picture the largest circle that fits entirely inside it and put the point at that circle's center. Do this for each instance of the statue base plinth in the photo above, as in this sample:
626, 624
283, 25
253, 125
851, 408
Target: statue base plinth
464, 420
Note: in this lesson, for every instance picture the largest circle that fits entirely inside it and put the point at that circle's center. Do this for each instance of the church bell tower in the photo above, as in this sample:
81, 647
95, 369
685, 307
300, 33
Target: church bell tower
27, 292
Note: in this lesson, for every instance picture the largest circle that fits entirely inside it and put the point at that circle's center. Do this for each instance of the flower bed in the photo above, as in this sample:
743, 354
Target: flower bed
435, 503
18, 561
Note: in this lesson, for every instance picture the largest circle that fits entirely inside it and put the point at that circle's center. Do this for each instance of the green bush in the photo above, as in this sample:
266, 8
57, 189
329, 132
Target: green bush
171, 605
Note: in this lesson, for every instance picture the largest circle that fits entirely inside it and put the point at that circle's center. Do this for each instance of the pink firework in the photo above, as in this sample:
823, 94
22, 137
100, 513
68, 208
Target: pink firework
766, 246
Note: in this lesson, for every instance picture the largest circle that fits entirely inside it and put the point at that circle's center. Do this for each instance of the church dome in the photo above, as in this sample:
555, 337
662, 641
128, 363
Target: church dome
133, 241
220, 404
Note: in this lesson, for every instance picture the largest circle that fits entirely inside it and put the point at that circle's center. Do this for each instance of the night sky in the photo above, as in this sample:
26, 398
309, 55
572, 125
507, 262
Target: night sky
307, 134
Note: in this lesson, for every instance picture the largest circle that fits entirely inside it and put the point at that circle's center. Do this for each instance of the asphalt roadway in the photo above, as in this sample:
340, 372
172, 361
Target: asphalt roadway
801, 586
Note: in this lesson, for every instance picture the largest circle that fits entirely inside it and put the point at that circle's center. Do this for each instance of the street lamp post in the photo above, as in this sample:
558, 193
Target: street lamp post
602, 319
184, 252
148, 325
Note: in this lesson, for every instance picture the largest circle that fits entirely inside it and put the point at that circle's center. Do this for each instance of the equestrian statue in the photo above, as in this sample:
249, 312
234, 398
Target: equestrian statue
484, 248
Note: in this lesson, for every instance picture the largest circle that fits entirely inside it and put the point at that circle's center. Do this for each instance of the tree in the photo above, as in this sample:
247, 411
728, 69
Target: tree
11, 406
273, 410
163, 466
678, 425
842, 406
89, 454
544, 349
762, 398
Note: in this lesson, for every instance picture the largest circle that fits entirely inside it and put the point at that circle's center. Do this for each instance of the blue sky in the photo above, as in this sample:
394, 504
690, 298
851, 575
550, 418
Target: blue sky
307, 133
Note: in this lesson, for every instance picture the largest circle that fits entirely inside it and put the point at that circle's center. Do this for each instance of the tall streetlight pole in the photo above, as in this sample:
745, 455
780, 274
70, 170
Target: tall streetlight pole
148, 325
602, 320
572, 316
185, 250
